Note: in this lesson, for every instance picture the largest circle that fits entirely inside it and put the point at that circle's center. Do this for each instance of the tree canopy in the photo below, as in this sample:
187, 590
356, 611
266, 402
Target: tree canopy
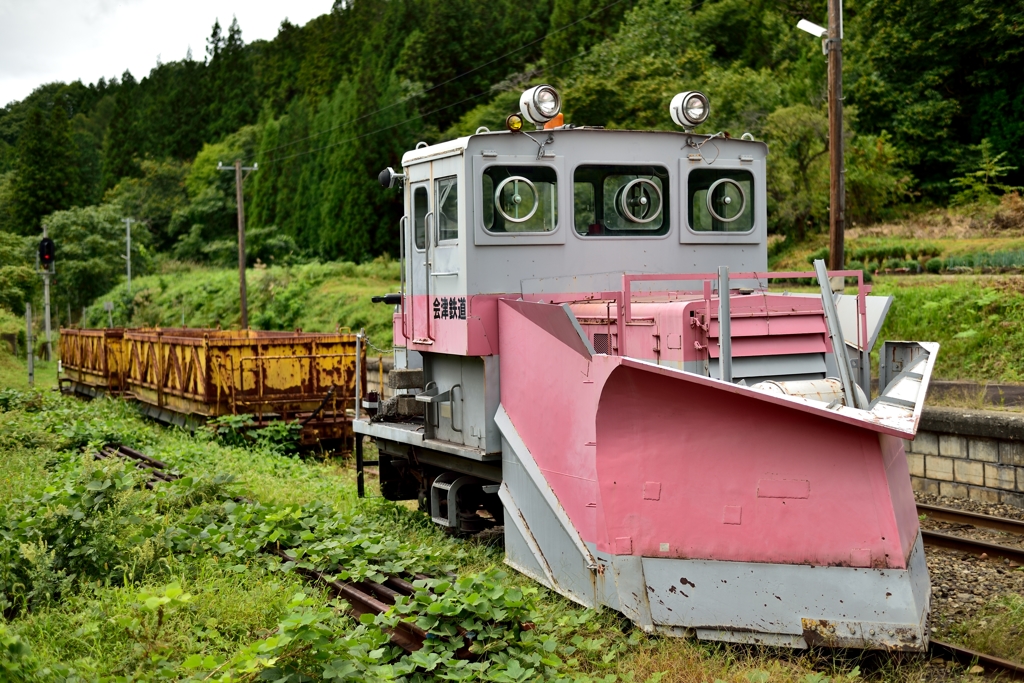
933, 92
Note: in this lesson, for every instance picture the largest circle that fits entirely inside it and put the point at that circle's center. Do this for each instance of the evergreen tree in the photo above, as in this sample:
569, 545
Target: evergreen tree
122, 145
233, 83
573, 29
174, 103
45, 178
459, 51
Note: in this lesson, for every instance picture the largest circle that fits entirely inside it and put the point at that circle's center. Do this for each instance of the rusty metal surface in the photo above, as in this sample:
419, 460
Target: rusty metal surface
1013, 526
215, 372
827, 633
940, 540
92, 357
406, 635
291, 376
967, 657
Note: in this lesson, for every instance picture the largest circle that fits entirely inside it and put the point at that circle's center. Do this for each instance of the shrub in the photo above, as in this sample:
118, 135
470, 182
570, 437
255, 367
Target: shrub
934, 265
822, 253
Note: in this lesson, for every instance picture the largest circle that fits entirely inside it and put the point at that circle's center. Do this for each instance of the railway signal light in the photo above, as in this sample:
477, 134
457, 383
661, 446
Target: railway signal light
47, 253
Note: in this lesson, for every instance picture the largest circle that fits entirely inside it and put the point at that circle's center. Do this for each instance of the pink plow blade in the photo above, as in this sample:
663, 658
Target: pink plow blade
696, 506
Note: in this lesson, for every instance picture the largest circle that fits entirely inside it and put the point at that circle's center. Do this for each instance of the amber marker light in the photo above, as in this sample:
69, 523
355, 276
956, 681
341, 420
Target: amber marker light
514, 122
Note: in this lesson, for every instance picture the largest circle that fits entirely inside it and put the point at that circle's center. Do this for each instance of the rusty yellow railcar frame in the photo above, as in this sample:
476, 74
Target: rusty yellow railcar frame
292, 376
92, 360
186, 375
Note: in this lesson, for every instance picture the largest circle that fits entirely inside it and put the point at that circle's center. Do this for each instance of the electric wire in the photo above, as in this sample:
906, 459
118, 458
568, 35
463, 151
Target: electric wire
453, 78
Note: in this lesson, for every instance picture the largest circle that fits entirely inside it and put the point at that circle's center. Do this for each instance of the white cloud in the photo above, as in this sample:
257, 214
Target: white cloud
42, 41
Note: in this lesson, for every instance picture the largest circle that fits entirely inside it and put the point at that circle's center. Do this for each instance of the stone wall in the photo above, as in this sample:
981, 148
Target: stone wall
977, 455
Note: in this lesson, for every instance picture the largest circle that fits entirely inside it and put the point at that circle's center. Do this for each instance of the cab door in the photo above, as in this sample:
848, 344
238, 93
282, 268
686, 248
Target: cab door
419, 214
445, 243
434, 232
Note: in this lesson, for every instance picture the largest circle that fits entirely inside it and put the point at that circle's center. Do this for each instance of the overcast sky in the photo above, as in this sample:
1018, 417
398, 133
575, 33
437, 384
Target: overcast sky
42, 41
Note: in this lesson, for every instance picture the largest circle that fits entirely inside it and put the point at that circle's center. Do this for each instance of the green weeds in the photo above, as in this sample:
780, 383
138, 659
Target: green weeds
106, 580
979, 322
316, 297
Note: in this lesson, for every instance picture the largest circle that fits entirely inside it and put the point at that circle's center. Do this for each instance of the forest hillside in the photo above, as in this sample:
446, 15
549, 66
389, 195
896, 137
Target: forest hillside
935, 118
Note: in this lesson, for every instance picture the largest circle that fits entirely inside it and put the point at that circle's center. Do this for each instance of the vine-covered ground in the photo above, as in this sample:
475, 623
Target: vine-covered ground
102, 579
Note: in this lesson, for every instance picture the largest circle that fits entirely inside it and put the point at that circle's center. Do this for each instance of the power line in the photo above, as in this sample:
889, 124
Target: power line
453, 78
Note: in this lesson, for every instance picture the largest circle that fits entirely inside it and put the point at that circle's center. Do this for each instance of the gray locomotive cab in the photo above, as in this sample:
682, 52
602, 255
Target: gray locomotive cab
536, 212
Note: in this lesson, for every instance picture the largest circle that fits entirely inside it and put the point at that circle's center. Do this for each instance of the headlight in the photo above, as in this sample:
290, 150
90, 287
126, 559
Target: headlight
540, 104
689, 109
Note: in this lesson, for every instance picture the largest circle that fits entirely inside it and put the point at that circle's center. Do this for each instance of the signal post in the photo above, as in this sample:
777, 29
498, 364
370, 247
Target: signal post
47, 253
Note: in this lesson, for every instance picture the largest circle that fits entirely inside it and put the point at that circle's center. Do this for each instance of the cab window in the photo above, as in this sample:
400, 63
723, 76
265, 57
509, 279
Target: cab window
447, 209
721, 200
615, 201
419, 215
520, 199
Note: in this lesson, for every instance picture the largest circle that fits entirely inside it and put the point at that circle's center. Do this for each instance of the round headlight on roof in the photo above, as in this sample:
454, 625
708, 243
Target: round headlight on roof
540, 104
689, 109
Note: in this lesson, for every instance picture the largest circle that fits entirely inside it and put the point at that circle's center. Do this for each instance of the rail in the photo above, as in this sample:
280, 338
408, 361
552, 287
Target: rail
969, 545
967, 657
363, 597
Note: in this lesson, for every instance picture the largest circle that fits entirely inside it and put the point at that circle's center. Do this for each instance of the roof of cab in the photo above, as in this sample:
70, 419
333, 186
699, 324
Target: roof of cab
459, 145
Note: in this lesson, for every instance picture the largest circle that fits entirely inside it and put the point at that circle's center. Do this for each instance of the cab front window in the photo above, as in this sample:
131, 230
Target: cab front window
619, 201
721, 200
520, 199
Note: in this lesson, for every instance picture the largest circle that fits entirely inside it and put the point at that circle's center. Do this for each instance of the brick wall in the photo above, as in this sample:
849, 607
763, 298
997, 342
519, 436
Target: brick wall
969, 454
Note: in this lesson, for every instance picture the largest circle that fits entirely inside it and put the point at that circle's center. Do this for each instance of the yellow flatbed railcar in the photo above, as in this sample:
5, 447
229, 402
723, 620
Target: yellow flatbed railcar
185, 376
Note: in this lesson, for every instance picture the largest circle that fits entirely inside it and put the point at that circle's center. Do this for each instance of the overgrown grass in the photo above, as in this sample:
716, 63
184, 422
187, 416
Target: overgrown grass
979, 320
171, 586
14, 372
998, 629
10, 323
316, 297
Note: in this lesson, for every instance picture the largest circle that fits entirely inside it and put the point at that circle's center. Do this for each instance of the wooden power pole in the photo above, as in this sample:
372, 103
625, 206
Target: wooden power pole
837, 186
240, 200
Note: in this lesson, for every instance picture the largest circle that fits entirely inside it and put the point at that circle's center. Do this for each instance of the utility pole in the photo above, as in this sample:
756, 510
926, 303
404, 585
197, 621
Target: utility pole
240, 200
128, 249
837, 186
832, 47
28, 344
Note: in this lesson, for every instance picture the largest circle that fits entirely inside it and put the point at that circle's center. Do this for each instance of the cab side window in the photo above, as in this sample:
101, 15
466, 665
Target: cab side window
419, 215
447, 194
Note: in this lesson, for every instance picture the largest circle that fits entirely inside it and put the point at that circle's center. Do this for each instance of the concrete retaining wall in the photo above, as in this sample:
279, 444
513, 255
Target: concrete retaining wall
969, 454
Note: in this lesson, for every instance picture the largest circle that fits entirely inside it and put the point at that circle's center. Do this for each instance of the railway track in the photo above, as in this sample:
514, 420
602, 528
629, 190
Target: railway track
363, 597
962, 655
967, 657
943, 540
369, 597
